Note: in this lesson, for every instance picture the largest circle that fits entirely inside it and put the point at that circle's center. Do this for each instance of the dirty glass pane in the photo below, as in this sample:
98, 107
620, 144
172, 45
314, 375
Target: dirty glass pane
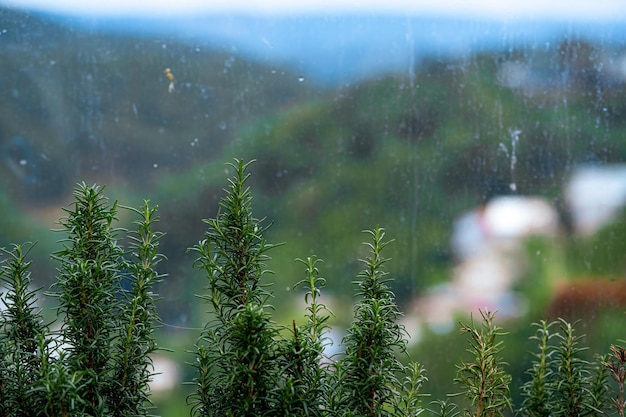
487, 141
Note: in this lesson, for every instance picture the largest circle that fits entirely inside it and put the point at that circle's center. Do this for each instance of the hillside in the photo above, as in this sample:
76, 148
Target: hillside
408, 151
101, 104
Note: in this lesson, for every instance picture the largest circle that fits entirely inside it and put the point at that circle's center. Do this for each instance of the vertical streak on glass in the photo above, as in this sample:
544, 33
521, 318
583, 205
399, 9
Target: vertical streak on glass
411, 45
415, 203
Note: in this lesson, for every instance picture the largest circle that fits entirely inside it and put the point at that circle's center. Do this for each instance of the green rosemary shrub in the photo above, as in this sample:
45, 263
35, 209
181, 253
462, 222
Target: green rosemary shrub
484, 381
562, 382
89, 278
444, 408
22, 328
410, 399
616, 364
538, 391
572, 395
98, 364
138, 319
33, 382
306, 383
367, 381
246, 367
237, 352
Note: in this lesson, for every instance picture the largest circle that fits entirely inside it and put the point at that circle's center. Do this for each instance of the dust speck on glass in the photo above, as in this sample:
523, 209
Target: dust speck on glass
489, 143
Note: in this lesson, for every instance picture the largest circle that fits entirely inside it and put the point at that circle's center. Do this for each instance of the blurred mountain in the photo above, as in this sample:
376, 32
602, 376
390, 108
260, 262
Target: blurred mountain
99, 104
338, 49
409, 149
412, 154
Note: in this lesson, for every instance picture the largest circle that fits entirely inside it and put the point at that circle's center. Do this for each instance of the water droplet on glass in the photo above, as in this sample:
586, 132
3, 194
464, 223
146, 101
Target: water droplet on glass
301, 79
23, 162
223, 125
502, 147
155, 165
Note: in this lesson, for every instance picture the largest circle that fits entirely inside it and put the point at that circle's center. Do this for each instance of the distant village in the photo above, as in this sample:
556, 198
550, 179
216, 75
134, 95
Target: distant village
488, 246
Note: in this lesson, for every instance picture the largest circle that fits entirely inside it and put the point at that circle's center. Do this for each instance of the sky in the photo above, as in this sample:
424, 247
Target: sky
581, 10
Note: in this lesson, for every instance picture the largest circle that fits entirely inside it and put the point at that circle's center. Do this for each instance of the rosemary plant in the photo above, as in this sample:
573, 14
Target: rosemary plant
108, 331
616, 364
21, 328
538, 391
132, 363
572, 394
485, 383
246, 368
410, 399
562, 382
58, 391
88, 279
444, 408
33, 381
236, 354
599, 386
307, 378
367, 378
99, 362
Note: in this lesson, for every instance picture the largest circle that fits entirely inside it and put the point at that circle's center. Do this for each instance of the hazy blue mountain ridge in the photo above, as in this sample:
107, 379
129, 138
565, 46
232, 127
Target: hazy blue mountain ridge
340, 49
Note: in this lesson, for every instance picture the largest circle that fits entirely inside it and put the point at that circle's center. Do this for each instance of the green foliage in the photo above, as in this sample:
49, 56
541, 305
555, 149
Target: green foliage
562, 382
98, 364
616, 364
367, 382
246, 368
21, 328
599, 385
410, 398
132, 363
538, 390
305, 390
484, 381
88, 278
445, 408
237, 350
246, 364
572, 395
233, 253
59, 388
